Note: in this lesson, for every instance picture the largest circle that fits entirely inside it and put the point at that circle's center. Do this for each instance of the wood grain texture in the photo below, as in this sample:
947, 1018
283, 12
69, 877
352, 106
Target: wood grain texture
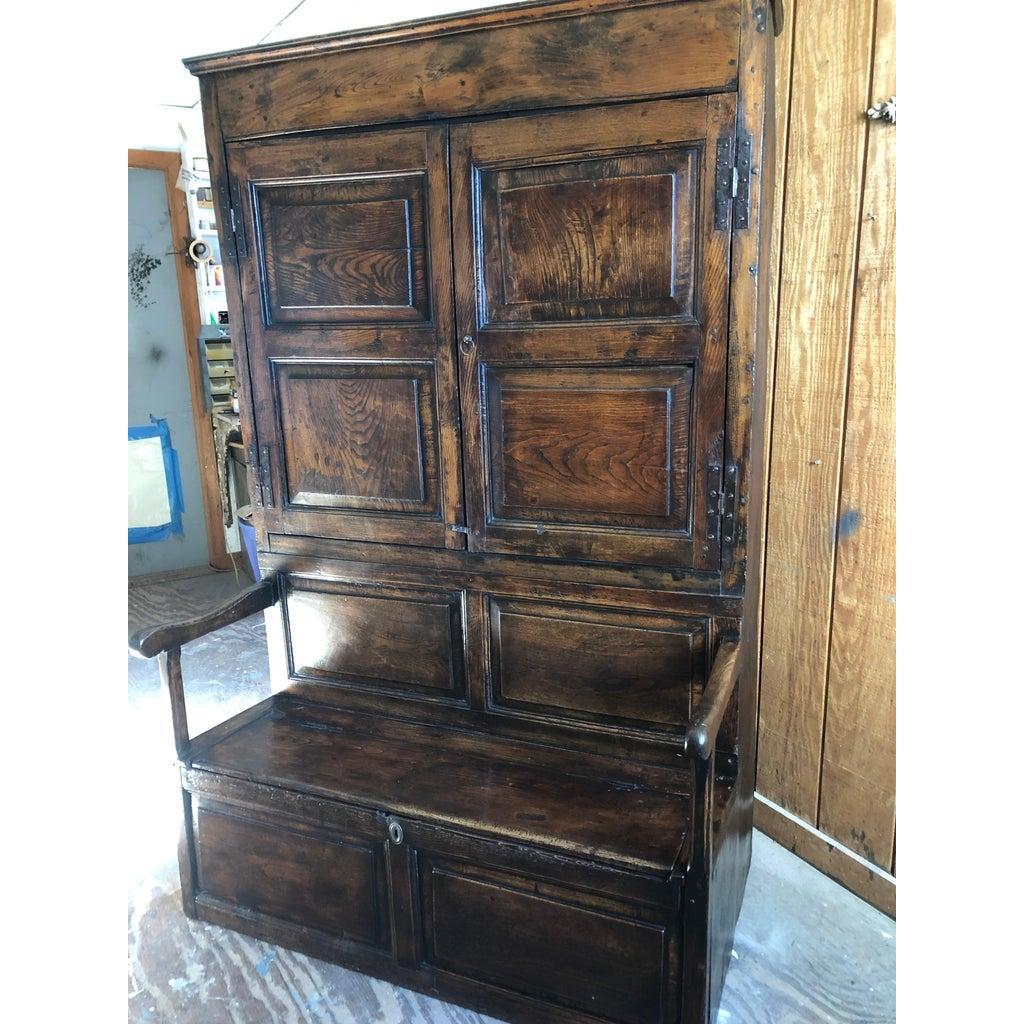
167, 636
371, 425
592, 239
330, 881
416, 771
337, 252
858, 781
359, 436
376, 637
597, 424
574, 241
833, 403
611, 666
568, 61
805, 949
574, 954
664, 520
597, 446
831, 63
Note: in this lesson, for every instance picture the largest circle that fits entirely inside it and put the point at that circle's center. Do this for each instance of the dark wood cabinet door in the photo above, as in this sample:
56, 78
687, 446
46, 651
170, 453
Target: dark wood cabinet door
349, 327
591, 286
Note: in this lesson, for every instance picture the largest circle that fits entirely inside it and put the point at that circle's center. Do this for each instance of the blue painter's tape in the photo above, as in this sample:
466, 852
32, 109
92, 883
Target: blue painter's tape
144, 534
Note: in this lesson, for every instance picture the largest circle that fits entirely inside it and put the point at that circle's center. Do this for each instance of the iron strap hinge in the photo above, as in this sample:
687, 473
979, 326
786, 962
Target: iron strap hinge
241, 248
259, 464
732, 181
722, 490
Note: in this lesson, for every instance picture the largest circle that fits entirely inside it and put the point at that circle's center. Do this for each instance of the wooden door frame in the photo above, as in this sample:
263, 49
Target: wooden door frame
169, 164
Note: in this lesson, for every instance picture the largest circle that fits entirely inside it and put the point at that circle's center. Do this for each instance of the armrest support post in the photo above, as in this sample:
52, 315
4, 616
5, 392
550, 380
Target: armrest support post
699, 743
170, 676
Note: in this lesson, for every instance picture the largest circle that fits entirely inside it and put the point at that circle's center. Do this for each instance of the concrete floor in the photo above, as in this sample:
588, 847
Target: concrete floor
806, 950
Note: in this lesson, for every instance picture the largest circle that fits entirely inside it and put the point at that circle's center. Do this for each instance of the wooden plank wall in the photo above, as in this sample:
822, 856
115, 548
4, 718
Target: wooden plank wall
826, 746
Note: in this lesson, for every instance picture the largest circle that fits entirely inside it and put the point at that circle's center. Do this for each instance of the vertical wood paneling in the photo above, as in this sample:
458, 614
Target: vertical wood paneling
825, 741
831, 64
858, 780
783, 81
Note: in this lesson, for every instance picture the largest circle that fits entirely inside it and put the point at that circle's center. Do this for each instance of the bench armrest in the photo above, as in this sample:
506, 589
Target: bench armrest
165, 641
707, 720
147, 643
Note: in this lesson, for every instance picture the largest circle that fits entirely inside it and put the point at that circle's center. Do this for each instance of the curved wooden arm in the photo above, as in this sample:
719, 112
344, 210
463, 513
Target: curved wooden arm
159, 639
703, 732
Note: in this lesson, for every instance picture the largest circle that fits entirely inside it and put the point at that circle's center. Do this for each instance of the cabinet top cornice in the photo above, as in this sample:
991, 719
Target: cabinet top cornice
501, 16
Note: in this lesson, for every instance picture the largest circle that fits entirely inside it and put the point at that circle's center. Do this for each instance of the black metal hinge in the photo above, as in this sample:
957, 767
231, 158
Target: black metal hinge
722, 489
224, 231
236, 223
732, 181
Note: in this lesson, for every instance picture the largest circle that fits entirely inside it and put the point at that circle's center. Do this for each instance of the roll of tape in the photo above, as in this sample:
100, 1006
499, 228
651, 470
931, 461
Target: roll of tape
200, 251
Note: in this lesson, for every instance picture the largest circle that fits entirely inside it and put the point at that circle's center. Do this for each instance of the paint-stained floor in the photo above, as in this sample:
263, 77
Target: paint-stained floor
806, 951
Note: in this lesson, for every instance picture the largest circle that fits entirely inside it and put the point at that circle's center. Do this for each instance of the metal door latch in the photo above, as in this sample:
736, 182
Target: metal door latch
883, 110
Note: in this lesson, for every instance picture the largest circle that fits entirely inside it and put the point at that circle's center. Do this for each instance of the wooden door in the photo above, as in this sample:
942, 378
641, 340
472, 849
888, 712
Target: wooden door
591, 305
348, 318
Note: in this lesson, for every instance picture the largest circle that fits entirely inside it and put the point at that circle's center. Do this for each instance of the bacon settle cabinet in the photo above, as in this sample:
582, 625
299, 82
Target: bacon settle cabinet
498, 283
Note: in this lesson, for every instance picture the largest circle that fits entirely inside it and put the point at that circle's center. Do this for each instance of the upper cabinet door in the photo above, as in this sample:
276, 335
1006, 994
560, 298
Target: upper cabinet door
348, 318
591, 286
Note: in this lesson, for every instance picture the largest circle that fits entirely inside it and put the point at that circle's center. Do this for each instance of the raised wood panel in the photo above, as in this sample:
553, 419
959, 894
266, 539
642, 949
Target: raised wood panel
343, 251
329, 882
590, 239
858, 779
500, 931
359, 436
594, 665
604, 447
558, 61
826, 737
391, 639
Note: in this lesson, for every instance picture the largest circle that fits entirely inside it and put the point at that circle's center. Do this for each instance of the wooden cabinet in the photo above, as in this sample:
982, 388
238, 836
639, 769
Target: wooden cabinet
501, 287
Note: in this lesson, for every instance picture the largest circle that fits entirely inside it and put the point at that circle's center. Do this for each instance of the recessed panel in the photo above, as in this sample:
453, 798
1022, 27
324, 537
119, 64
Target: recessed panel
601, 446
590, 239
615, 667
358, 436
322, 882
498, 929
396, 640
346, 251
